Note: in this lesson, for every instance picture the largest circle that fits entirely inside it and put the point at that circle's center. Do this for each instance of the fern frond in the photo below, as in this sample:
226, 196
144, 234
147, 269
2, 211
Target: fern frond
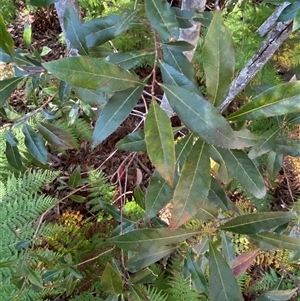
155, 295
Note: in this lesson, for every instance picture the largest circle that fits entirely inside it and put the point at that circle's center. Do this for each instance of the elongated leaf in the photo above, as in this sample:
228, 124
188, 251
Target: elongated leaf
274, 162
288, 146
27, 34
228, 250
7, 86
172, 76
246, 137
92, 73
201, 117
217, 195
6, 41
4, 57
223, 172
296, 21
193, 185
100, 30
93, 97
277, 240
180, 62
218, 59
278, 295
115, 112
163, 19
265, 143
111, 281
180, 46
158, 195
128, 60
42, 2
34, 278
144, 240
35, 144
141, 260
55, 135
243, 262
183, 17
160, 142
74, 31
134, 142
257, 222
279, 100
197, 274
222, 283
126, 22
289, 12
12, 152
75, 177
242, 167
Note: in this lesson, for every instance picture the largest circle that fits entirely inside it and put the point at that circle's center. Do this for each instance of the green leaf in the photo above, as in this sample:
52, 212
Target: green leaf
42, 2
246, 137
228, 248
27, 34
183, 17
6, 41
245, 171
125, 22
128, 60
273, 164
222, 283
146, 240
277, 240
9, 263
257, 222
111, 281
100, 30
158, 195
4, 57
12, 152
35, 144
163, 19
75, 31
193, 185
296, 22
55, 135
34, 278
201, 117
180, 46
289, 12
217, 195
141, 260
160, 142
288, 146
7, 86
218, 59
197, 275
180, 62
134, 142
75, 177
92, 73
172, 76
265, 143
278, 295
222, 171
204, 18
93, 97
115, 112
279, 100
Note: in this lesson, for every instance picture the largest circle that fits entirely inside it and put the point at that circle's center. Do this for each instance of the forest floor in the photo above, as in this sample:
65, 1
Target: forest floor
125, 169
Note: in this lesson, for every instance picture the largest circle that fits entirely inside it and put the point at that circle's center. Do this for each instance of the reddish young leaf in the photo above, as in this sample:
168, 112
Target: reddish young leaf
243, 262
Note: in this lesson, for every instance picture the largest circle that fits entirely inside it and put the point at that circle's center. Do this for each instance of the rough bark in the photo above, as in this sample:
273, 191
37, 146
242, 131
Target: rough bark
190, 35
61, 7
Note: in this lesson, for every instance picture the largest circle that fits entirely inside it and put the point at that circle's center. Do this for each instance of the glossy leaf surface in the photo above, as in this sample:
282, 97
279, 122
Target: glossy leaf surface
222, 283
55, 135
7, 86
142, 240
278, 100
193, 185
12, 152
160, 142
278, 241
134, 142
245, 171
92, 73
257, 222
163, 19
115, 112
218, 59
111, 281
201, 117
74, 31
35, 144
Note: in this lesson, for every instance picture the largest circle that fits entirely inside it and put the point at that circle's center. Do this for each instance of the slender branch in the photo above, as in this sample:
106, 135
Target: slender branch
272, 42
